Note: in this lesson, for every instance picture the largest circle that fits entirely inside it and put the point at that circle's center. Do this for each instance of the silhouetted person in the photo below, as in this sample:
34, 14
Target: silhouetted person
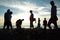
10, 16
7, 19
53, 18
19, 23
38, 23
32, 19
45, 23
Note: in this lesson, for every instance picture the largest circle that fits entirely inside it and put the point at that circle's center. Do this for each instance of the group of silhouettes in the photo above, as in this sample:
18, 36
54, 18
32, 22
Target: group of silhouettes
7, 19
53, 19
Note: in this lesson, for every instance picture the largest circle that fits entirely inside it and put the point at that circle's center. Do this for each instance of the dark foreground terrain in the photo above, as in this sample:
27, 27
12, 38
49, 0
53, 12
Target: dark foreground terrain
30, 34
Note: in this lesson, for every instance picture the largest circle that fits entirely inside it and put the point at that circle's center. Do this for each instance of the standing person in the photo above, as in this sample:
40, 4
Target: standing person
31, 19
44, 23
53, 18
10, 23
38, 23
6, 19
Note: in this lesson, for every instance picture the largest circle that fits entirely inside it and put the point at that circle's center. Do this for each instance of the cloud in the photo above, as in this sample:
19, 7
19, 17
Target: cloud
26, 6
41, 8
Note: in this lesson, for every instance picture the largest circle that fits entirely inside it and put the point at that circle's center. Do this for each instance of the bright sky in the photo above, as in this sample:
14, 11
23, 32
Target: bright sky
20, 8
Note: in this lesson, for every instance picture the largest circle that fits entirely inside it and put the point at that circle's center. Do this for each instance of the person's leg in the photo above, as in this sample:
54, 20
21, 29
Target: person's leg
4, 25
38, 25
55, 25
11, 25
44, 27
49, 24
7, 25
31, 24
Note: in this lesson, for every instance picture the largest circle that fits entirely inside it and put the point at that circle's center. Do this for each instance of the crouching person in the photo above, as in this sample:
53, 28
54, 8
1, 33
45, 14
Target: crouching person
19, 23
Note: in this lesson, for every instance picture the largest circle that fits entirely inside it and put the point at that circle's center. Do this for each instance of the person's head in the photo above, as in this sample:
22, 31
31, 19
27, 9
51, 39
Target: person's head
38, 18
44, 18
21, 20
8, 10
52, 3
10, 13
30, 11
